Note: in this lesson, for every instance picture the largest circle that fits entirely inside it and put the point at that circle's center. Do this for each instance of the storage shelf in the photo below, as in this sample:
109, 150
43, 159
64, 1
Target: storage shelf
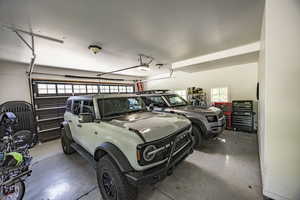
50, 108
49, 119
50, 129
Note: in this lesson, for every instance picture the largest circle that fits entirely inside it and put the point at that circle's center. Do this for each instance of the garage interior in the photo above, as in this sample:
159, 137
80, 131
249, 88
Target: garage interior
211, 53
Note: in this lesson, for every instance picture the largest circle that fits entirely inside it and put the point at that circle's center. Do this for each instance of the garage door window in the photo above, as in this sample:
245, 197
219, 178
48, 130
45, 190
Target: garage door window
129, 89
46, 88
114, 89
79, 89
122, 89
64, 89
219, 94
92, 89
104, 89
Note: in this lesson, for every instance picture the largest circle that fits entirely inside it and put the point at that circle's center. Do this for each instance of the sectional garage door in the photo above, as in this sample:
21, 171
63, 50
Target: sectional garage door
50, 96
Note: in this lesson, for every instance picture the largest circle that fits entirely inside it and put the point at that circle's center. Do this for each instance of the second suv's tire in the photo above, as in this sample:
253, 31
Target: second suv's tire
112, 183
66, 143
196, 133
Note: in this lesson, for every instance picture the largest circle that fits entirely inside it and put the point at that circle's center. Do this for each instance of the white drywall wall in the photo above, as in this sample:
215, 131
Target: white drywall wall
261, 102
279, 73
241, 80
14, 83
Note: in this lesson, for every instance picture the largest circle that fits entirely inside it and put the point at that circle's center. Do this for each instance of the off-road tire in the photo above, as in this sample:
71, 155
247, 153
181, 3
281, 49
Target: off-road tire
66, 143
197, 137
123, 190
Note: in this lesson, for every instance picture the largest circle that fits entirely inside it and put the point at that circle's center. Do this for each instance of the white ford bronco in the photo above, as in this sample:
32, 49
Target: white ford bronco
128, 145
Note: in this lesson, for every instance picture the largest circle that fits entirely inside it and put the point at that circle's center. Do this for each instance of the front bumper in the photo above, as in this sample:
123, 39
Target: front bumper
215, 129
158, 173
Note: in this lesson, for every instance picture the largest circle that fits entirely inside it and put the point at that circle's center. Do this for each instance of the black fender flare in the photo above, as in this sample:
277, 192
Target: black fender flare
65, 125
200, 125
115, 153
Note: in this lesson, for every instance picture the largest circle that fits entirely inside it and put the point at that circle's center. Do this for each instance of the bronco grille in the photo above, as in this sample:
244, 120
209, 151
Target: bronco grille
181, 142
182, 139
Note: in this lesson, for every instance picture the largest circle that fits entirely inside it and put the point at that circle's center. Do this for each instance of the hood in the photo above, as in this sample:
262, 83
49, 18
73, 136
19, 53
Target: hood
152, 126
195, 109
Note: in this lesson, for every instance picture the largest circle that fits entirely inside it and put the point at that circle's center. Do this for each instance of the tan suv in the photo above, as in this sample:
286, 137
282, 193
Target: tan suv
128, 145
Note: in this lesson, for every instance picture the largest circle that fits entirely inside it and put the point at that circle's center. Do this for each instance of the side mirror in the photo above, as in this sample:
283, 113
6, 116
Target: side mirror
86, 117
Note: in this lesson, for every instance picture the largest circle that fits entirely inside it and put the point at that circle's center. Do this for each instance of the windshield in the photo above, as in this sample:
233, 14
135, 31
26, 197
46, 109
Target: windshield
117, 106
175, 100
155, 100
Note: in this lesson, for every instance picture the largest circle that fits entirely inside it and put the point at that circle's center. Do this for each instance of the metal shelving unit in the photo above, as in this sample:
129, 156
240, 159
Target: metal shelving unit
49, 99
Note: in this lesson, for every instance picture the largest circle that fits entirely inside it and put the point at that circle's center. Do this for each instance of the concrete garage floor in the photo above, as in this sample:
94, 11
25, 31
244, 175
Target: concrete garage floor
227, 168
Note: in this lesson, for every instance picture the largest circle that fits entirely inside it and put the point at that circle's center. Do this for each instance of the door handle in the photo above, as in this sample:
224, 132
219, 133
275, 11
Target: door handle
79, 125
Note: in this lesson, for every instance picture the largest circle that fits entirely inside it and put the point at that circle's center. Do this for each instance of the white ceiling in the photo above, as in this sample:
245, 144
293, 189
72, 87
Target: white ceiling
168, 30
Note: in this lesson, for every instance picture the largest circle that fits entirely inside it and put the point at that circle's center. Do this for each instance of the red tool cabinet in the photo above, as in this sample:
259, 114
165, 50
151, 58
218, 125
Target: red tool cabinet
226, 107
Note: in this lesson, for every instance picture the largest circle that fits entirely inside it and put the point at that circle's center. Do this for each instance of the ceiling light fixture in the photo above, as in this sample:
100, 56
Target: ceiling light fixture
95, 48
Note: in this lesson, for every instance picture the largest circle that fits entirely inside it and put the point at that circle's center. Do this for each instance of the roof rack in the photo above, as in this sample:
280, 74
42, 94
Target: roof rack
153, 92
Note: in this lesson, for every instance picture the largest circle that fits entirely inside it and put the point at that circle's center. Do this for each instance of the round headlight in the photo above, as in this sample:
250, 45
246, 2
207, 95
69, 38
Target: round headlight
147, 155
